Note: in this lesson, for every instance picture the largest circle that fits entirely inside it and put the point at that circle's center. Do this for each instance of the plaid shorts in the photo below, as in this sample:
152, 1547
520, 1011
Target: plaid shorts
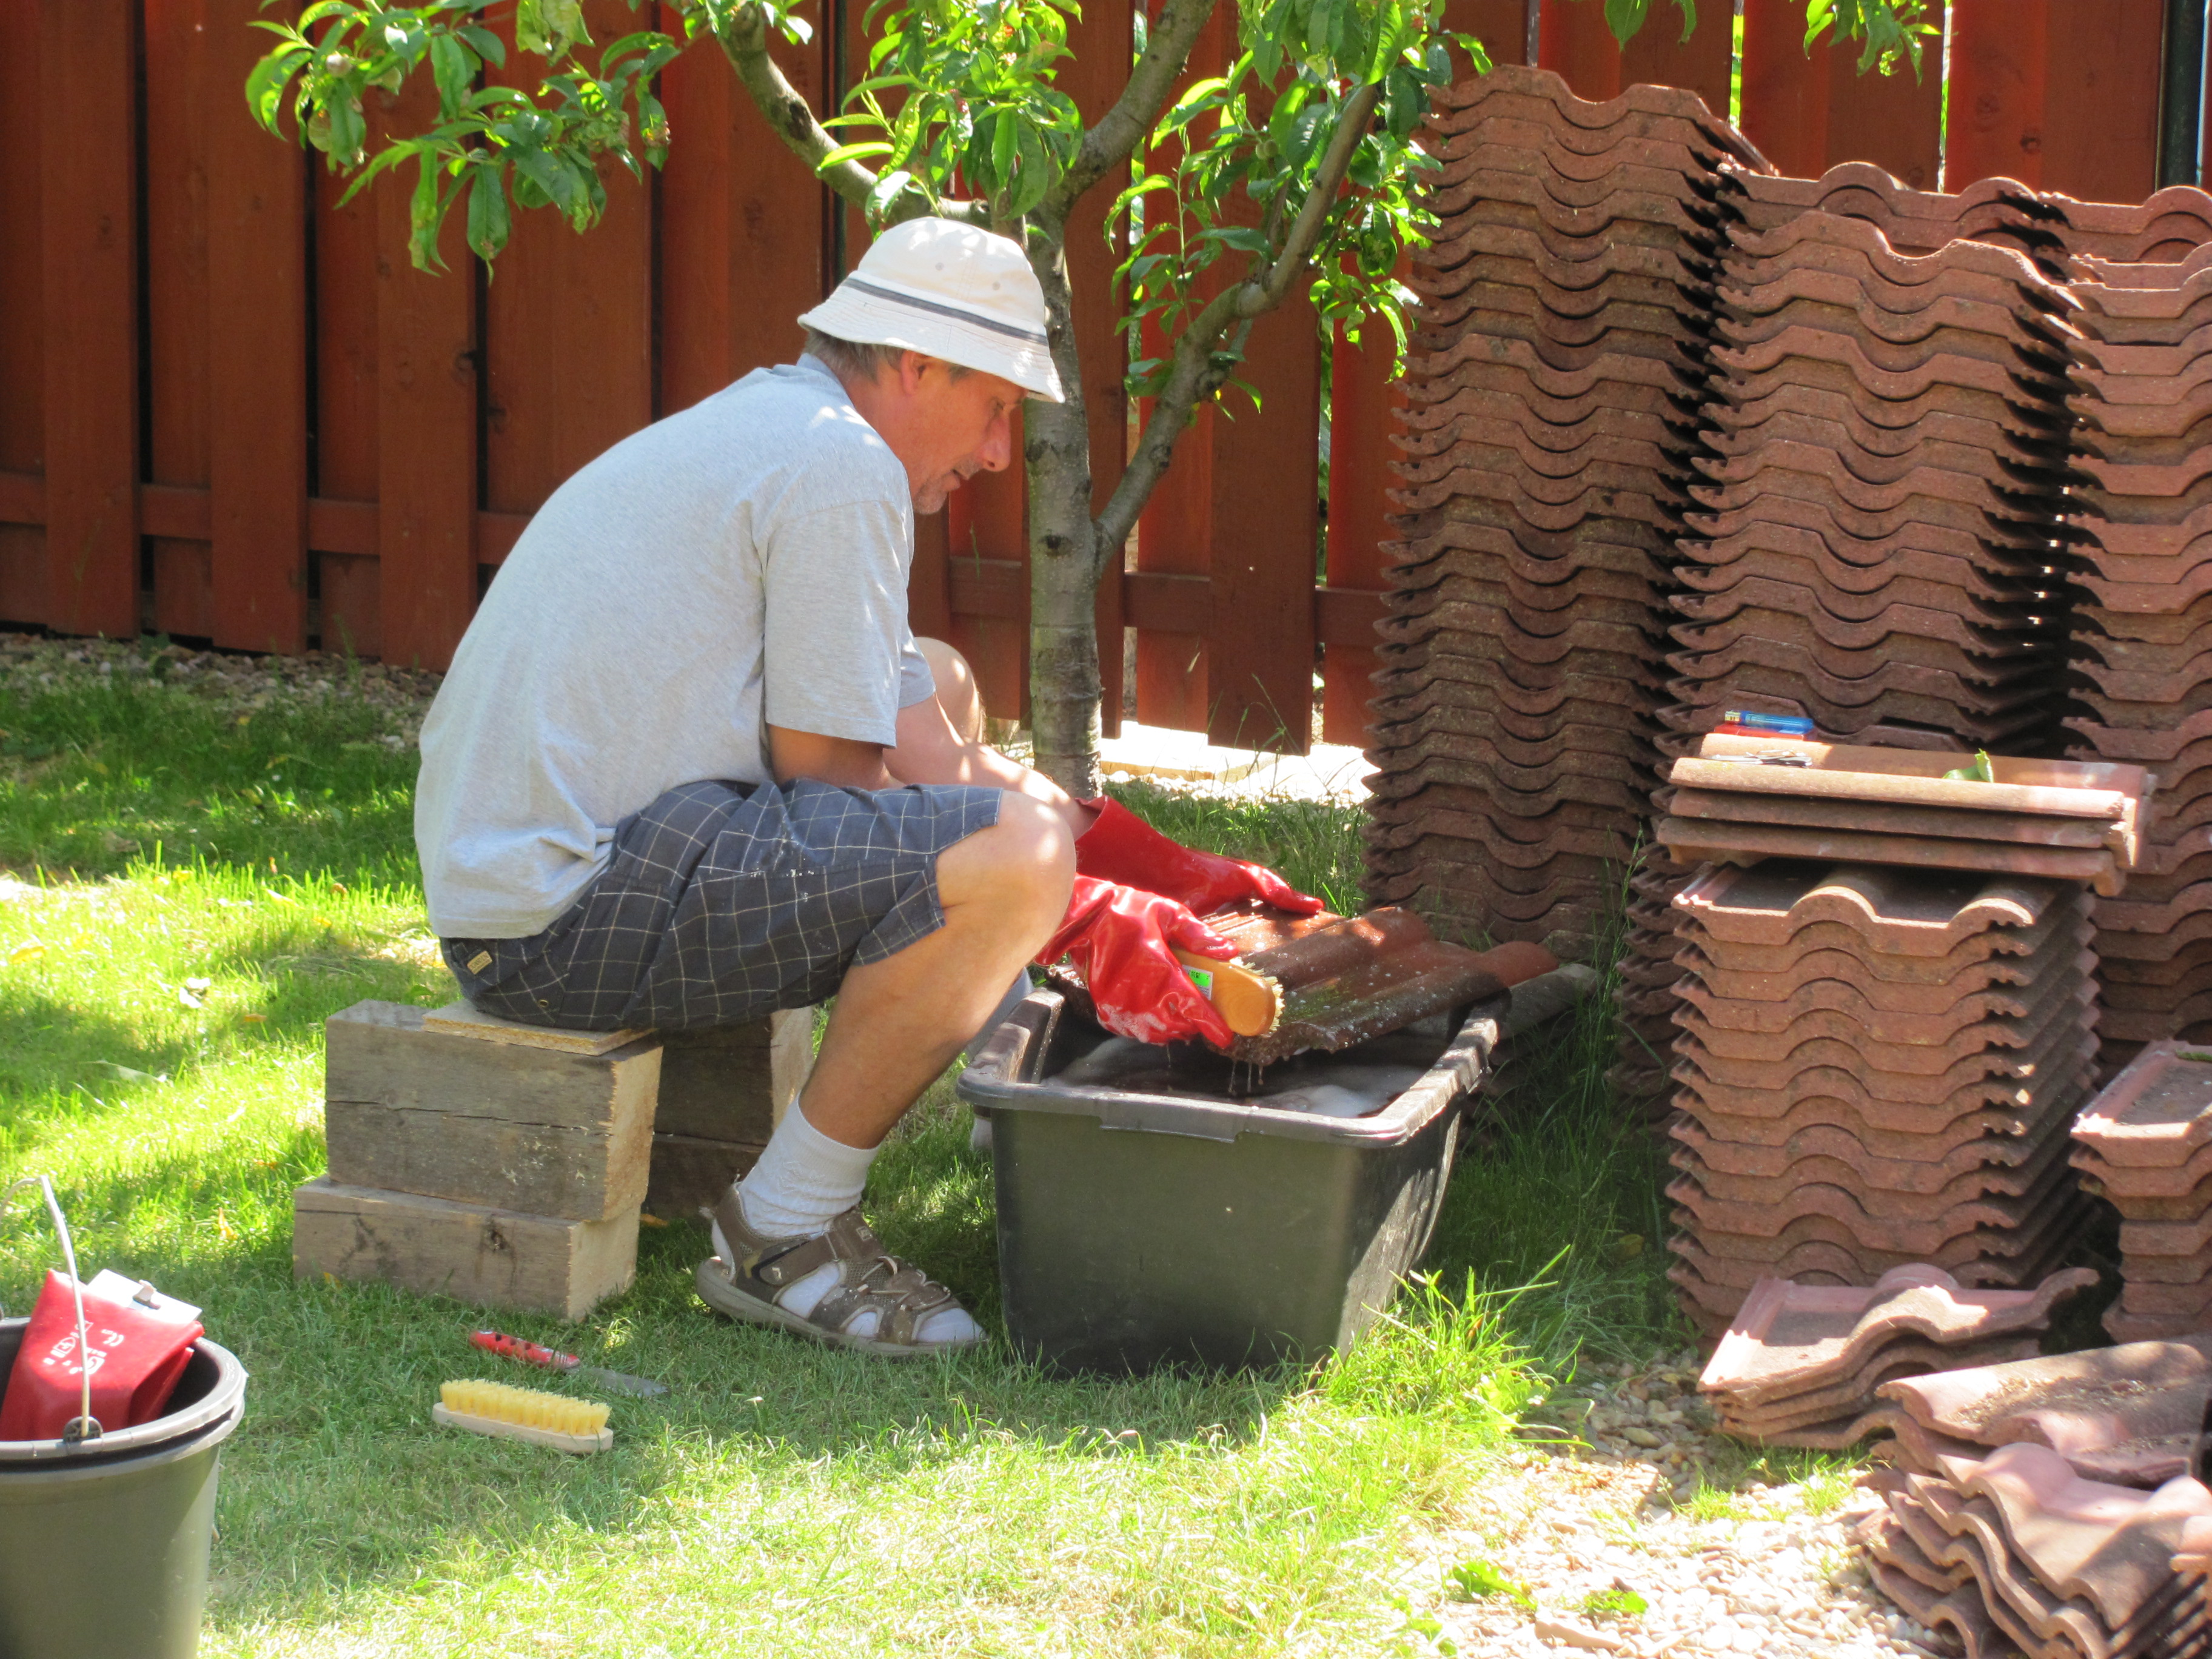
724, 900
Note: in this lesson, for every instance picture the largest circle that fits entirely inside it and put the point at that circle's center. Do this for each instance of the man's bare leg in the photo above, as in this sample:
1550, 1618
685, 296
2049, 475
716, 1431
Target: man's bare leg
898, 1022
787, 1251
957, 694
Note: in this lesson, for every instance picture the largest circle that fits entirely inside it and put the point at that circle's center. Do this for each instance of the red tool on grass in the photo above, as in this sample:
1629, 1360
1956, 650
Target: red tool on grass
531, 1353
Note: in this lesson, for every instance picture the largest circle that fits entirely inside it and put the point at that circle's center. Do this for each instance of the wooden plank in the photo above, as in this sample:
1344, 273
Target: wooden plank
344, 527
1362, 413
734, 1084
179, 97
1704, 64
90, 255
1160, 602
184, 588
1999, 65
346, 289
413, 1108
1808, 114
22, 333
257, 329
567, 327
538, 1169
690, 1174
426, 448
1502, 26
2100, 108
22, 498
744, 226
995, 527
472, 1253
1266, 533
23, 284
464, 1019
351, 618
1573, 42
381, 1054
1175, 533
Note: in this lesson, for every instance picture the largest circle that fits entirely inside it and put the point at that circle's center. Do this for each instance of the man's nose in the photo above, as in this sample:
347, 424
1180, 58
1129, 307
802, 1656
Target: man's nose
998, 446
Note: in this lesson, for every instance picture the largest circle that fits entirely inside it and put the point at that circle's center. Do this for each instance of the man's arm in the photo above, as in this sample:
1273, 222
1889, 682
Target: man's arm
830, 760
930, 750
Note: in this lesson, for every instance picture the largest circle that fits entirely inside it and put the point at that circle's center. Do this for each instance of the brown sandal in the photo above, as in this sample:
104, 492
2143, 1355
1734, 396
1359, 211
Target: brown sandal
868, 1277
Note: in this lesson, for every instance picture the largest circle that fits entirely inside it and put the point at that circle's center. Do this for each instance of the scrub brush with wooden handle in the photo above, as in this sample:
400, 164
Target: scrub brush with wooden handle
531, 1414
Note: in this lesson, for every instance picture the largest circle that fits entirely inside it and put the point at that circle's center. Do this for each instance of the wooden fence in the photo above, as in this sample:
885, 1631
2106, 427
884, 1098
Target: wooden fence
231, 411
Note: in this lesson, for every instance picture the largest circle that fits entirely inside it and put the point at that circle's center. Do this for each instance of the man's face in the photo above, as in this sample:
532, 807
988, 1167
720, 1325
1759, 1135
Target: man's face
956, 427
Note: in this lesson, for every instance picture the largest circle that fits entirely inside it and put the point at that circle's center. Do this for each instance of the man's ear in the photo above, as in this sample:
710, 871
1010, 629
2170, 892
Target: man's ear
913, 366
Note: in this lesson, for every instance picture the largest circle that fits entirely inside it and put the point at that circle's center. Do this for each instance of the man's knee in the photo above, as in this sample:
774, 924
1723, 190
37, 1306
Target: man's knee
1023, 864
956, 690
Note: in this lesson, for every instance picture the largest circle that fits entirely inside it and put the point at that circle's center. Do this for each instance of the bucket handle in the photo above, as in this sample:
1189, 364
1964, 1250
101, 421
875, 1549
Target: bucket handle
84, 1426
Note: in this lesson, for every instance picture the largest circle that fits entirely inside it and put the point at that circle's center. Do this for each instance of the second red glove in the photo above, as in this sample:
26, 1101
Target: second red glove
1121, 847
1123, 941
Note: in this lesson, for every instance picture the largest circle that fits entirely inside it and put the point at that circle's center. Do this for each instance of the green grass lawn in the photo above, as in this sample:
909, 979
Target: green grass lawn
784, 1499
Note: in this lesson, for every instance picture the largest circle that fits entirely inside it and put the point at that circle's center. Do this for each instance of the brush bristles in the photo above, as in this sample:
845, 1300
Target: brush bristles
529, 1408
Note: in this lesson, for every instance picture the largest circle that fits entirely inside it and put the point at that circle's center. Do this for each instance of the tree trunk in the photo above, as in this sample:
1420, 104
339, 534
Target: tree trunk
1064, 563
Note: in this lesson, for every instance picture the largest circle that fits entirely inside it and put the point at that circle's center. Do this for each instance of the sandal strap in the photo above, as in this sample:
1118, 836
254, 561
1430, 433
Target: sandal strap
868, 1276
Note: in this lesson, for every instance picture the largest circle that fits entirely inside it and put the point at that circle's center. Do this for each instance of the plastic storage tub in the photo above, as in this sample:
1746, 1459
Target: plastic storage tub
1140, 1228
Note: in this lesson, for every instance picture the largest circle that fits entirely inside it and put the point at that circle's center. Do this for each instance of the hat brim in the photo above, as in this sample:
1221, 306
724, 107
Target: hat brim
883, 317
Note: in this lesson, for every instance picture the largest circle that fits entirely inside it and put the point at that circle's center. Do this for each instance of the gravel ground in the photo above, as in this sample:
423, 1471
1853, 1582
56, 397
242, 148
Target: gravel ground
1557, 1549
246, 684
1609, 1547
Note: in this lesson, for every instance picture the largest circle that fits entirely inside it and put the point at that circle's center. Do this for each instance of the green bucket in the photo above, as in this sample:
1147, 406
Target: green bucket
104, 1544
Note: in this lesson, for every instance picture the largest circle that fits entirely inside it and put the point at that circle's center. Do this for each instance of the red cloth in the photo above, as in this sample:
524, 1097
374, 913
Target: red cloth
1122, 941
1121, 847
136, 1358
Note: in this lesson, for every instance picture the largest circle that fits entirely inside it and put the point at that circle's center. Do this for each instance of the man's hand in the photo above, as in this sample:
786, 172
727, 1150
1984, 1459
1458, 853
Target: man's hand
1123, 943
827, 760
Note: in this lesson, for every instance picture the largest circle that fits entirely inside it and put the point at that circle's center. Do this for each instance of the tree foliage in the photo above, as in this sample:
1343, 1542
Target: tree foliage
1296, 168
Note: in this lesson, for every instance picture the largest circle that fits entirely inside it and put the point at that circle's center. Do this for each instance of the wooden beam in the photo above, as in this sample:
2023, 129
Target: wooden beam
257, 329
90, 180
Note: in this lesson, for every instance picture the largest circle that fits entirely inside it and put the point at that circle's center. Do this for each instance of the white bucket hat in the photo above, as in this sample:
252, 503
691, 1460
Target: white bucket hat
951, 291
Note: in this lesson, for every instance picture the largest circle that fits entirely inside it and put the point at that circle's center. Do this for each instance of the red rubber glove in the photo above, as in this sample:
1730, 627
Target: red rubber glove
1120, 938
1121, 847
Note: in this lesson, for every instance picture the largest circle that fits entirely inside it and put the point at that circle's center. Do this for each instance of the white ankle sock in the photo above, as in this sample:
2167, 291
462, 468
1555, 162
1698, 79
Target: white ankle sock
802, 1182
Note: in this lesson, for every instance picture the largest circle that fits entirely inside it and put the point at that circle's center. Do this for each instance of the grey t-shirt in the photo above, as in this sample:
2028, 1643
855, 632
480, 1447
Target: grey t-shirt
739, 565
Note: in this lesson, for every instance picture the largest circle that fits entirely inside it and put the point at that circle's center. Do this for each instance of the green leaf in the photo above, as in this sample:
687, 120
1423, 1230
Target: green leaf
486, 44
264, 87
425, 212
888, 190
453, 67
488, 219
852, 153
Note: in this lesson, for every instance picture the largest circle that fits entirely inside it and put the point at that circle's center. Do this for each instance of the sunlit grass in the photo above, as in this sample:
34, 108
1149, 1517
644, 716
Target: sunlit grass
190, 898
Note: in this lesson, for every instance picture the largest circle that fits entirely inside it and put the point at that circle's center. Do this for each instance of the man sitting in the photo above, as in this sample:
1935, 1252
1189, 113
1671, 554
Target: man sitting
689, 766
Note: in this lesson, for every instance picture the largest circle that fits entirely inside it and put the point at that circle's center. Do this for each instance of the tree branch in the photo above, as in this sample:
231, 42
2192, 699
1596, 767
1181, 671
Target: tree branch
791, 117
1193, 374
1115, 138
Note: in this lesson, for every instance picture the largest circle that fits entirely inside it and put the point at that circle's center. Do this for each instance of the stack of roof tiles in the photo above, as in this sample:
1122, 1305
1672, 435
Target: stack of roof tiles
2145, 1144
1801, 1361
1876, 1066
2016, 1550
1559, 359
1874, 551
2131, 1415
2001, 211
2142, 630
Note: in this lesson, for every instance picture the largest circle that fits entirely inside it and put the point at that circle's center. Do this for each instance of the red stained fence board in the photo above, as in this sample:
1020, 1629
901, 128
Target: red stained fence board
2059, 94
427, 354
90, 252
1807, 113
256, 325
1573, 39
